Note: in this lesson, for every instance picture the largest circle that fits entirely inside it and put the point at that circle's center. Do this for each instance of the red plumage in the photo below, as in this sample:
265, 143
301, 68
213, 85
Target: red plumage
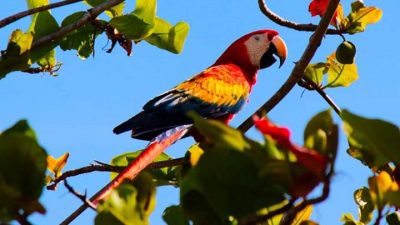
218, 92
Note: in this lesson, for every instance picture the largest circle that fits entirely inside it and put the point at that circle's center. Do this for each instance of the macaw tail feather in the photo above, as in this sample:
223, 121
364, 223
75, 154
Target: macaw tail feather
148, 125
153, 149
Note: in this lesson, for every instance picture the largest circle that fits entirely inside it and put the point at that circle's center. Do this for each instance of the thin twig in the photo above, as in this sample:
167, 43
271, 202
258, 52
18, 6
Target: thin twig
261, 218
103, 167
83, 170
323, 94
80, 196
298, 70
290, 24
82, 208
378, 218
6, 21
23, 220
169, 163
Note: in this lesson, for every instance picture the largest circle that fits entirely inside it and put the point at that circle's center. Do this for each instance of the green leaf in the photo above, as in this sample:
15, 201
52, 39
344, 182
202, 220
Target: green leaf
393, 218
173, 215
132, 26
393, 198
362, 197
219, 133
43, 24
36, 3
348, 219
168, 37
22, 172
128, 204
140, 23
376, 142
357, 5
146, 9
16, 56
321, 134
80, 39
316, 72
361, 16
340, 74
226, 182
113, 11
163, 176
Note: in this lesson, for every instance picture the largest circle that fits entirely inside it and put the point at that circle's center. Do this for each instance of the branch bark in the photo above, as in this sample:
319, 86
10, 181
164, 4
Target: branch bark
298, 70
80, 196
6, 21
290, 24
102, 167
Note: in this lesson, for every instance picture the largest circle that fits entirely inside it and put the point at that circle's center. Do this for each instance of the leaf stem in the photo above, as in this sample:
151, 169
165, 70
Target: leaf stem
323, 94
80, 196
336, 78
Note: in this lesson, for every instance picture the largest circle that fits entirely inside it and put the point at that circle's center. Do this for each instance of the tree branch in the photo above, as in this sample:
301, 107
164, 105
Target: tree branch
78, 195
6, 21
262, 218
83, 170
298, 70
90, 15
321, 92
102, 167
289, 24
22, 220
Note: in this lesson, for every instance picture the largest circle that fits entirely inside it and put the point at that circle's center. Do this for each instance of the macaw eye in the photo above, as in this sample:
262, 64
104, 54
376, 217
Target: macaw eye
257, 38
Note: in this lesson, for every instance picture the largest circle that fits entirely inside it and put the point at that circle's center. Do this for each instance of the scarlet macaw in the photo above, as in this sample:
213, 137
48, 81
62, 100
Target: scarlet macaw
218, 92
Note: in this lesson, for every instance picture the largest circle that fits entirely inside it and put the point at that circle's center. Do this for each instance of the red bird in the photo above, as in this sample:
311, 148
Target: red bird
218, 92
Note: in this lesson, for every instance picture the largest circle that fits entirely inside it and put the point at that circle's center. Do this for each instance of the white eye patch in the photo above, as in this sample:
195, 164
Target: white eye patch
256, 46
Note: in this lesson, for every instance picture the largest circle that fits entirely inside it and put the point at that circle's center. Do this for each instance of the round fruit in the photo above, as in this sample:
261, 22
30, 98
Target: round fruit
345, 52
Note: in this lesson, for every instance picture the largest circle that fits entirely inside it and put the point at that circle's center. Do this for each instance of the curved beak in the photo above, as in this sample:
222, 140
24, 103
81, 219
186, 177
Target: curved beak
281, 50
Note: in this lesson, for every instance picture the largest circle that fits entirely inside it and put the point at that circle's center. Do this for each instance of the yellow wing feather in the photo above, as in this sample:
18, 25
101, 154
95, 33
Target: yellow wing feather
220, 85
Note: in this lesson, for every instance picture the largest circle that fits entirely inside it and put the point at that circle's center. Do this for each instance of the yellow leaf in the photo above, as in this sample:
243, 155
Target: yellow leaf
56, 165
22, 40
340, 74
341, 20
195, 154
363, 16
303, 215
384, 190
367, 15
48, 179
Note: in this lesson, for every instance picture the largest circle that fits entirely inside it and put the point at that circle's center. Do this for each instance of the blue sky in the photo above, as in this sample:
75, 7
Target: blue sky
76, 111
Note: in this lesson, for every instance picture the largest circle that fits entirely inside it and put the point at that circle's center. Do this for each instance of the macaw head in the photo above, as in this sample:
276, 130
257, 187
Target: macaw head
254, 51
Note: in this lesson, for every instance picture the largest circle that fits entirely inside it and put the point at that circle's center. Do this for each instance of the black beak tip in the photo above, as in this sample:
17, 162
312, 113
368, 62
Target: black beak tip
281, 61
